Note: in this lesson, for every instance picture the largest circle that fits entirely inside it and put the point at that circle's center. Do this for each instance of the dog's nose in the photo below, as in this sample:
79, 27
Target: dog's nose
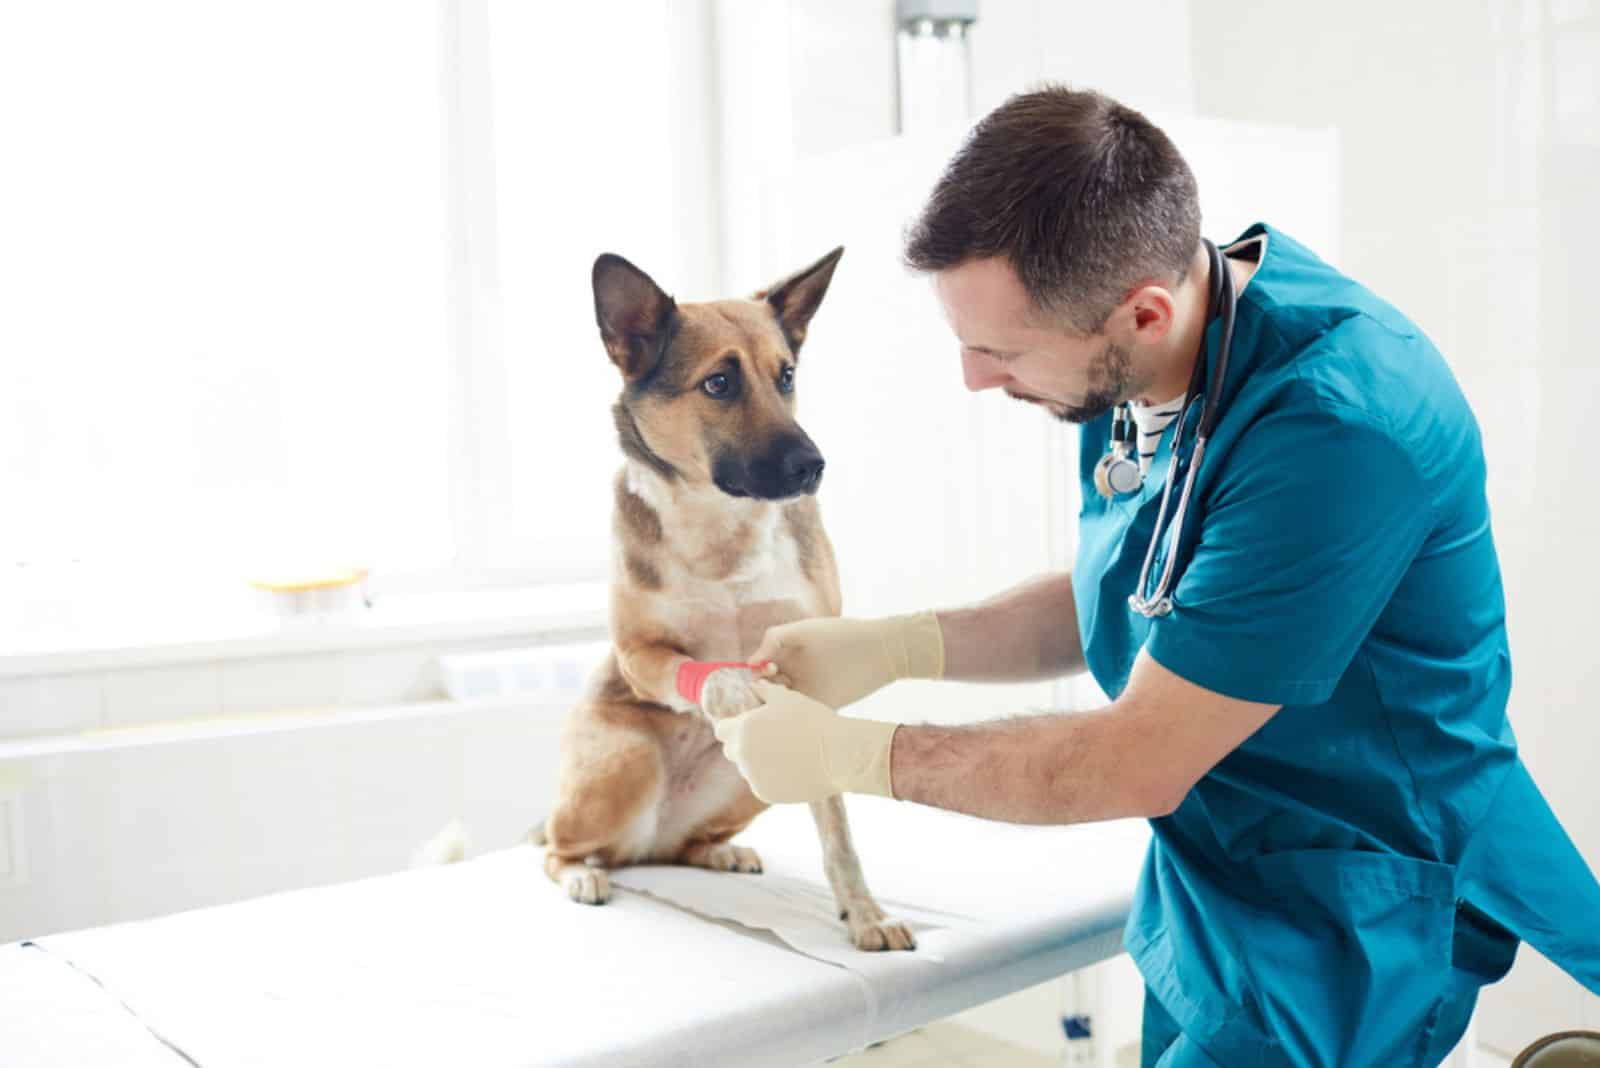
802, 470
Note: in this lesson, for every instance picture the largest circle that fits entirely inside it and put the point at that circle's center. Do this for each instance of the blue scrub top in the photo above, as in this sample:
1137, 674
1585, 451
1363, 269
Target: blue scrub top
1377, 848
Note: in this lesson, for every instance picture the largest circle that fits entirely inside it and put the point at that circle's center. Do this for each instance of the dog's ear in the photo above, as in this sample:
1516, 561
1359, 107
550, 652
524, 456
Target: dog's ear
796, 299
633, 314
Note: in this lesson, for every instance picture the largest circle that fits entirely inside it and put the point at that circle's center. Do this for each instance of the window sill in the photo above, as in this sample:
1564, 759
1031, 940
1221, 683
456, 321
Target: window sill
223, 728
546, 613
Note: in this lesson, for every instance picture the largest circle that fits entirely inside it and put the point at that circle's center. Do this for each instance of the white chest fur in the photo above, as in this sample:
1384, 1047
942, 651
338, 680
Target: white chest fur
729, 568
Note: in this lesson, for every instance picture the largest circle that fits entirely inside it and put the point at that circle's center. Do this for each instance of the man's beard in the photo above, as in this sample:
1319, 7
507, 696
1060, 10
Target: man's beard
1112, 380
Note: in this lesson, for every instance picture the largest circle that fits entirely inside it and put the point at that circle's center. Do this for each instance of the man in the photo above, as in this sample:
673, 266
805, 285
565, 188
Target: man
1346, 845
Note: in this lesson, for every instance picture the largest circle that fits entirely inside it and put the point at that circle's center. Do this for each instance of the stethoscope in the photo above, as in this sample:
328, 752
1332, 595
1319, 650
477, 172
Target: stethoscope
1118, 472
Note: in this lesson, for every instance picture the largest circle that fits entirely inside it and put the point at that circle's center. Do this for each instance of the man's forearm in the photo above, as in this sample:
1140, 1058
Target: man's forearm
1053, 768
1026, 633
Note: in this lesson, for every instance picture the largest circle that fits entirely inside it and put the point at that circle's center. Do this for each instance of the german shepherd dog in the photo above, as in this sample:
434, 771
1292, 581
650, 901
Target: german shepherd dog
717, 536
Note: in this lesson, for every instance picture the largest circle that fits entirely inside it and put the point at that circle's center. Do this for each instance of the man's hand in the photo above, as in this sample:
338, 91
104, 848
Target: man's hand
840, 661
793, 748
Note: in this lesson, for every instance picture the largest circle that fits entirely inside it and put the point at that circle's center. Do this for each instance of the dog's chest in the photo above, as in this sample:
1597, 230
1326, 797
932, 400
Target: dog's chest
725, 618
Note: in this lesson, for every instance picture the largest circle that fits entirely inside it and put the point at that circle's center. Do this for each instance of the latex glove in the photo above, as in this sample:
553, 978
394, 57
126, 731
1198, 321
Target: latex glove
793, 748
840, 661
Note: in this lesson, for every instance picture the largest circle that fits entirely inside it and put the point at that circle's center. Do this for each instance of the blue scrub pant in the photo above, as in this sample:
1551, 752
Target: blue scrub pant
1163, 1045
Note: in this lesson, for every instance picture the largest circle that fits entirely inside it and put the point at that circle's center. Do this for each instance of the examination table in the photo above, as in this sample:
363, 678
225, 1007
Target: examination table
486, 963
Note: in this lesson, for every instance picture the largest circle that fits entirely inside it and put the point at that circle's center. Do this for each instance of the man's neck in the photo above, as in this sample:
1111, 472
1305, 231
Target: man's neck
1181, 347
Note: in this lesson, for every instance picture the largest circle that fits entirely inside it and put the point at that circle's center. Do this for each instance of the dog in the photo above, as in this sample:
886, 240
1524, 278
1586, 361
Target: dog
717, 536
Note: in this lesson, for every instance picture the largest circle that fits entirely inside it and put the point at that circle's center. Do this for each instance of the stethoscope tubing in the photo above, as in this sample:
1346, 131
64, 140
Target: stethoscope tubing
1222, 298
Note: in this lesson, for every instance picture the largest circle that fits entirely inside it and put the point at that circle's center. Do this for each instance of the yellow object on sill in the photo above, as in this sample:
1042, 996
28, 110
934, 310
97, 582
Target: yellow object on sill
312, 593
301, 583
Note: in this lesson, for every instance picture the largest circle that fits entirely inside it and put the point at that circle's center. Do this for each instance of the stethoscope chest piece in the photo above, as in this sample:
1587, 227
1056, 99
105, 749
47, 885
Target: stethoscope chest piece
1117, 474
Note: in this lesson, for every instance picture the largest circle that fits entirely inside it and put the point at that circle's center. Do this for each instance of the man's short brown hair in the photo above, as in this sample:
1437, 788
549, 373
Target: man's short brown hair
1085, 197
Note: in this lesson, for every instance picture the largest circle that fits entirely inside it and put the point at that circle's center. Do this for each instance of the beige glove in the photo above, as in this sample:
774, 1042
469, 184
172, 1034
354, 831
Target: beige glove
793, 748
840, 661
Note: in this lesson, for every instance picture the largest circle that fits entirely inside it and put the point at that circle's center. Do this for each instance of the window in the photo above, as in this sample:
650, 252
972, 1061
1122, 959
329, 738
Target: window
585, 135
309, 280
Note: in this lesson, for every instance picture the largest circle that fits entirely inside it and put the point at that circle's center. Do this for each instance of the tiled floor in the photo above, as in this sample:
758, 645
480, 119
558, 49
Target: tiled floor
946, 1045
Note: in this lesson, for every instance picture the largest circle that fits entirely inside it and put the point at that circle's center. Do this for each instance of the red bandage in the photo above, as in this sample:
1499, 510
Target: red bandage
692, 675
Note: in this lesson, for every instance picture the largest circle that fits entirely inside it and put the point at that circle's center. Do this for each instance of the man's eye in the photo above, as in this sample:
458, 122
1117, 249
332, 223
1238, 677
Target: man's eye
717, 385
786, 379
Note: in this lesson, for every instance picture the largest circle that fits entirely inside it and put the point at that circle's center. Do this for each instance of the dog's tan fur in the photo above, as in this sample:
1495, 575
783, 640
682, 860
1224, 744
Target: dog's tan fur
698, 574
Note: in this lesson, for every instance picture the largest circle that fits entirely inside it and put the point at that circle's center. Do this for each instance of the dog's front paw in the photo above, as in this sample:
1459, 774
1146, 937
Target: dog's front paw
728, 692
874, 932
586, 885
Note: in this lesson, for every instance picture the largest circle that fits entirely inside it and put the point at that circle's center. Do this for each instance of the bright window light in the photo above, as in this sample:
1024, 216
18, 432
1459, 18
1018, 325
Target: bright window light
308, 283
224, 275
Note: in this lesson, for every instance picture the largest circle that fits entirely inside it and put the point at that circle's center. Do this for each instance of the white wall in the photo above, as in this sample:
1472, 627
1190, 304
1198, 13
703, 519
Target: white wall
1137, 53
842, 60
1471, 135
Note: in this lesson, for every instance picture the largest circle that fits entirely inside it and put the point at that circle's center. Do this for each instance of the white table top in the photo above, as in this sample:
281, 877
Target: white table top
487, 963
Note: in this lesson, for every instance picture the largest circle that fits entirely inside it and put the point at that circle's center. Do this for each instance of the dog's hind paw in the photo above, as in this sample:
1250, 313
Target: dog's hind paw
723, 856
586, 885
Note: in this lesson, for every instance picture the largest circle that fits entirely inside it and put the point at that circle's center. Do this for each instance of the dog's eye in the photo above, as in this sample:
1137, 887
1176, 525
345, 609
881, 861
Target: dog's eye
786, 380
717, 385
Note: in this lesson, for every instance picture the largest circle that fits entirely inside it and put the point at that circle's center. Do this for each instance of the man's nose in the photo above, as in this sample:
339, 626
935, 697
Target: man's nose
981, 372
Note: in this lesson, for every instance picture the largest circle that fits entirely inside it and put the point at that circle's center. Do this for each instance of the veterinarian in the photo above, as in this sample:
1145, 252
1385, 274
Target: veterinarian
1300, 621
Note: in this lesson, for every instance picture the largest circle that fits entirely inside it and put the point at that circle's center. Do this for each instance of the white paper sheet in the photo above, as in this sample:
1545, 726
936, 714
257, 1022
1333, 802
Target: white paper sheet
800, 912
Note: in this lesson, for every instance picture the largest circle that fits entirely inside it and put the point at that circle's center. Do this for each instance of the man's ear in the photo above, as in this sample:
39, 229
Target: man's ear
796, 299
633, 314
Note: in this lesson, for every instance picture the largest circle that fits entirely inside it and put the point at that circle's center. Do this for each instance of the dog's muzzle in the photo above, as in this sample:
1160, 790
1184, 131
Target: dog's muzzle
790, 468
